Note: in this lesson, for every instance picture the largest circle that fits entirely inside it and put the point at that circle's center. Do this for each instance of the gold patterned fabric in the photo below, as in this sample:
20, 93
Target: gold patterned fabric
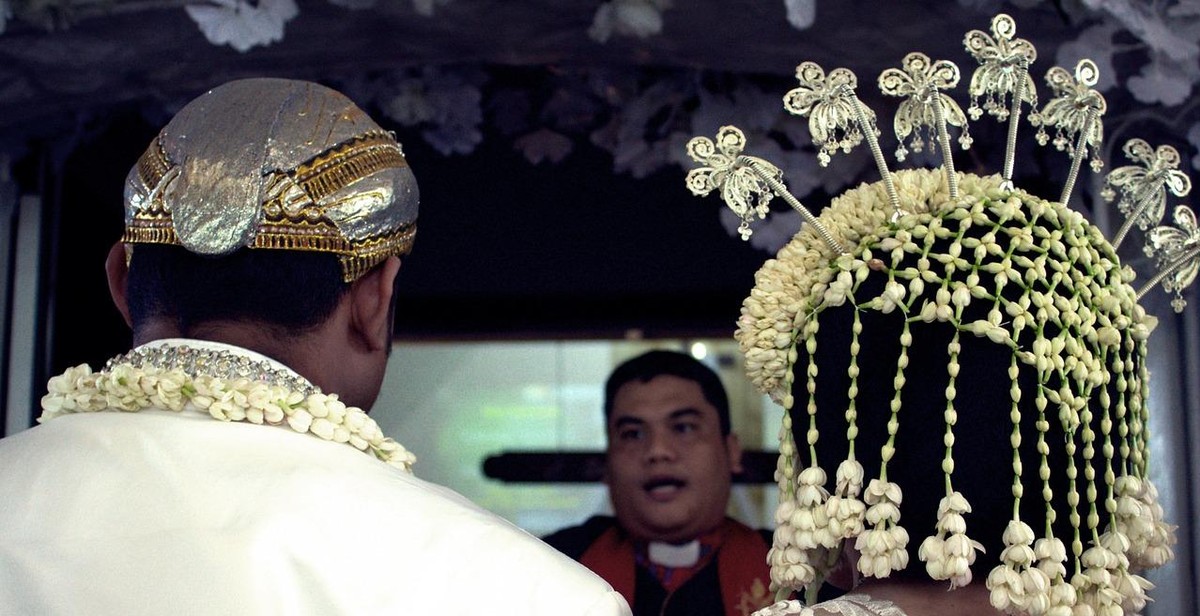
274, 164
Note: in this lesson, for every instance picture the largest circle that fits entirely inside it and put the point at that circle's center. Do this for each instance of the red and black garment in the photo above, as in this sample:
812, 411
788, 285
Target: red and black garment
731, 577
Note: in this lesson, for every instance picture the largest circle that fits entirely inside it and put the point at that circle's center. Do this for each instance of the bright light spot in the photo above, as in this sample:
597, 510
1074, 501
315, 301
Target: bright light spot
699, 350
535, 393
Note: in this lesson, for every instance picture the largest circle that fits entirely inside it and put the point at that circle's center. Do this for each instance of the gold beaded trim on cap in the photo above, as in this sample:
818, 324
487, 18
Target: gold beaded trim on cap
355, 257
293, 195
343, 164
292, 219
150, 232
152, 167
372, 251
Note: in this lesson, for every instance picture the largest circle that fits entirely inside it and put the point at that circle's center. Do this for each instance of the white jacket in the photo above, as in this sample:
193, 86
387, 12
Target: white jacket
158, 512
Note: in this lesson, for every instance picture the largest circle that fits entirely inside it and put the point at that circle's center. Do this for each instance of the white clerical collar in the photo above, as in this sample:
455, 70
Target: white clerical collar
671, 555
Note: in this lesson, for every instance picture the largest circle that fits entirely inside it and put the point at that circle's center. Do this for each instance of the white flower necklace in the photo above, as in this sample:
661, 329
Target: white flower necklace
228, 386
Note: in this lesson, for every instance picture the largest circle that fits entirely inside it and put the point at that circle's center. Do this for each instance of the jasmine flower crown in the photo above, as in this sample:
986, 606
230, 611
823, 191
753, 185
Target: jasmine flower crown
960, 261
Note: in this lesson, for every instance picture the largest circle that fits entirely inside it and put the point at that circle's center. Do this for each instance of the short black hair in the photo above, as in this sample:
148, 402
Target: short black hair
651, 364
291, 291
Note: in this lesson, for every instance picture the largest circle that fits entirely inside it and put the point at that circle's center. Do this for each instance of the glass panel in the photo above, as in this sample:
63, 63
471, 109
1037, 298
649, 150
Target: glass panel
455, 404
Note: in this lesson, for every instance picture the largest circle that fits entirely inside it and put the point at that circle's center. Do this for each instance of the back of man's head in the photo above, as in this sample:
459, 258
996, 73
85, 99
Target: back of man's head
656, 363
262, 201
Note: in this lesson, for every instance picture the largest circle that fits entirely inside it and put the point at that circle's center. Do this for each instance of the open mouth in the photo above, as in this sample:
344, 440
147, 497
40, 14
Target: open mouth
662, 488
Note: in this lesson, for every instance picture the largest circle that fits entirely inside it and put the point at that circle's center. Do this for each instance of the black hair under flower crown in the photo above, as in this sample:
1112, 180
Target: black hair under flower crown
935, 264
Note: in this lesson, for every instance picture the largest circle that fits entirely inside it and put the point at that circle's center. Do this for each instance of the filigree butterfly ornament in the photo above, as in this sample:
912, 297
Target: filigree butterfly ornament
1074, 112
1002, 80
745, 189
1143, 187
718, 163
741, 179
829, 103
837, 119
920, 82
1004, 63
1177, 251
1069, 111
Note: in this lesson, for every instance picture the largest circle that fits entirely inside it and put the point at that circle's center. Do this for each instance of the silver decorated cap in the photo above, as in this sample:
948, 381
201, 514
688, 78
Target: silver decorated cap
274, 164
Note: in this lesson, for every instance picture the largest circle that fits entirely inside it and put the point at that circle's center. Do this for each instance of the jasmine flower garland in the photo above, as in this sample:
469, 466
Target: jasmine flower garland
125, 387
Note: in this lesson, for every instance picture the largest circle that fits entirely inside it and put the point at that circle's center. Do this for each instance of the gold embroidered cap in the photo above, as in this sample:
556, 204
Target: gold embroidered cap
274, 164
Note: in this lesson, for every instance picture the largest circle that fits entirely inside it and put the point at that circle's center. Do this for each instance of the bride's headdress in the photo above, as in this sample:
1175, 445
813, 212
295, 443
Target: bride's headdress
986, 264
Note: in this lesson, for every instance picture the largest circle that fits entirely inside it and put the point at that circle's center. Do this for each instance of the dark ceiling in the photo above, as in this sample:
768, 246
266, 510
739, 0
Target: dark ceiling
100, 53
138, 51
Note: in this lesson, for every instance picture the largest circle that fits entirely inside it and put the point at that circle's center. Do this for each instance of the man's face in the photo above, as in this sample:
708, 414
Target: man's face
668, 466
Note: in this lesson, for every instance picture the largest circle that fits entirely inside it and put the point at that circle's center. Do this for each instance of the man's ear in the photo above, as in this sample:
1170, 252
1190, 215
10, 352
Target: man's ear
117, 272
733, 446
371, 301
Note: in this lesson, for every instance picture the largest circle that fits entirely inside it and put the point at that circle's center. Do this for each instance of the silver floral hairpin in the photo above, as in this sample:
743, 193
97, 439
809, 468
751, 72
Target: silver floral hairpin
921, 82
1075, 115
1177, 250
837, 118
747, 183
1144, 187
1003, 73
1142, 190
